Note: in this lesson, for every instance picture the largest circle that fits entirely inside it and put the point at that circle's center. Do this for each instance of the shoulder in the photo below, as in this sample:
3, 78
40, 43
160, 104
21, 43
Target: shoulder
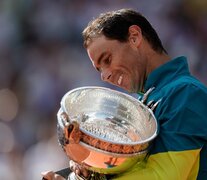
184, 90
183, 97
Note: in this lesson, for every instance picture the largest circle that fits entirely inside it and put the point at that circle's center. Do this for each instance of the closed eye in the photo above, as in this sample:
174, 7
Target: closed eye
107, 61
103, 60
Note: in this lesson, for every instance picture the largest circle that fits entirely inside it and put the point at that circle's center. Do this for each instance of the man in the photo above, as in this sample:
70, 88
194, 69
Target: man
126, 50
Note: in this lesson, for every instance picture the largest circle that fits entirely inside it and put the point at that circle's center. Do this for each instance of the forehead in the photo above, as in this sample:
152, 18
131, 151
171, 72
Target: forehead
96, 45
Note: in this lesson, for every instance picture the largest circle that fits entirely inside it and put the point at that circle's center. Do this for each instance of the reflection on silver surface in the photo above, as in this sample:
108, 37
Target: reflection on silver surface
116, 127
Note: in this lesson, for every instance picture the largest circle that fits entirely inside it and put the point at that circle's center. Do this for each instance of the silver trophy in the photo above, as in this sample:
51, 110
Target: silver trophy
115, 129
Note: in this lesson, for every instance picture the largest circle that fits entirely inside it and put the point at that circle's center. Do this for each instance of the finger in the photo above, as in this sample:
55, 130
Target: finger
75, 168
77, 171
58, 177
72, 165
47, 175
85, 172
82, 171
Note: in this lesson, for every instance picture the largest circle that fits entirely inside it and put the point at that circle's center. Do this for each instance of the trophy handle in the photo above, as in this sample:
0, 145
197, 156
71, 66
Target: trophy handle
151, 104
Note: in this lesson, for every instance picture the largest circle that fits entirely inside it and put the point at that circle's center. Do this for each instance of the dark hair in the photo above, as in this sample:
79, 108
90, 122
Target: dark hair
115, 25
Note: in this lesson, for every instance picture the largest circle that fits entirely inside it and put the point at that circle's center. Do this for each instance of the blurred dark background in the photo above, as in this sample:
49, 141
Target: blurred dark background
42, 57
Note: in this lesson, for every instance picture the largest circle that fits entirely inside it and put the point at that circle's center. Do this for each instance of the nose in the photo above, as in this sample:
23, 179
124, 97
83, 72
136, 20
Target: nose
105, 75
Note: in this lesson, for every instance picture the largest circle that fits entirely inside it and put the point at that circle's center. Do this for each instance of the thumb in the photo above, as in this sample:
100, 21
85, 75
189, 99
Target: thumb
47, 175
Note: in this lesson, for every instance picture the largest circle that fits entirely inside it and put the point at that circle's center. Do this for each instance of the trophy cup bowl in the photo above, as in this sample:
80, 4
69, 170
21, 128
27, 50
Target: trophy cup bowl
116, 128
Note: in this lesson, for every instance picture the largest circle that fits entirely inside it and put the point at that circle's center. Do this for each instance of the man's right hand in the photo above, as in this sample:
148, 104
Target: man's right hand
78, 169
75, 167
50, 175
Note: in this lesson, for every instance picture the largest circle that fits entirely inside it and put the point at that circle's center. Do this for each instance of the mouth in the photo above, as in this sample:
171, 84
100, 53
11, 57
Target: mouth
120, 80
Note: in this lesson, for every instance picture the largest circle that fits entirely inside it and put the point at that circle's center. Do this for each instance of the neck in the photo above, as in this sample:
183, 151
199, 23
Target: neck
155, 60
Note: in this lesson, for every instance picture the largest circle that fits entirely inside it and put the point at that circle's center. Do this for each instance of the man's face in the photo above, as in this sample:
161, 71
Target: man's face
118, 62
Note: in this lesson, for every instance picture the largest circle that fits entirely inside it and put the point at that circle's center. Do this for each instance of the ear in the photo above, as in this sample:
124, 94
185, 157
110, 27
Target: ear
135, 35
